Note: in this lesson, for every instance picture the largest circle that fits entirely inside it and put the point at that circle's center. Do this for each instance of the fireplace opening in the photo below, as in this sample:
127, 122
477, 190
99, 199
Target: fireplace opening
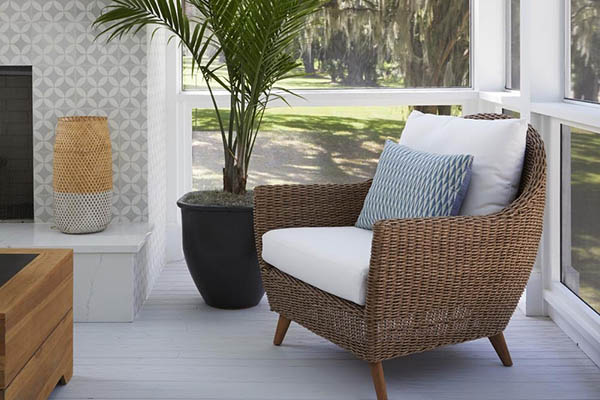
16, 143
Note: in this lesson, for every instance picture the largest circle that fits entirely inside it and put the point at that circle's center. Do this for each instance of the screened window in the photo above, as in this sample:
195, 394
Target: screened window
378, 44
335, 144
584, 78
580, 214
513, 44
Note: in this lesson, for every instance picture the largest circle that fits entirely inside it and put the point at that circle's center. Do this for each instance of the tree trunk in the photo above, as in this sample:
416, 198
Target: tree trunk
234, 177
444, 110
438, 110
308, 61
361, 64
585, 85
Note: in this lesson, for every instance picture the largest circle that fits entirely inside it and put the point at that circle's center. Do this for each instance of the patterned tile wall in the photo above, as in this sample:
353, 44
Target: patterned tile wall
141, 284
74, 74
154, 257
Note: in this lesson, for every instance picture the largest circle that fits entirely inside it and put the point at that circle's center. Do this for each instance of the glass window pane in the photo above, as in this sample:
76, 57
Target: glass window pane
513, 51
581, 215
513, 114
304, 144
357, 43
585, 50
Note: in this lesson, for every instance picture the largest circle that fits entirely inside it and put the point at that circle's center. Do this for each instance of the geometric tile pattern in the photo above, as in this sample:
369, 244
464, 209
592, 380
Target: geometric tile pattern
141, 276
415, 184
155, 255
74, 74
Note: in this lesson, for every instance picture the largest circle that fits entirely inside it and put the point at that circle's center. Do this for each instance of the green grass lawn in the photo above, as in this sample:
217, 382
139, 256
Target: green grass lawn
585, 213
193, 81
366, 122
302, 144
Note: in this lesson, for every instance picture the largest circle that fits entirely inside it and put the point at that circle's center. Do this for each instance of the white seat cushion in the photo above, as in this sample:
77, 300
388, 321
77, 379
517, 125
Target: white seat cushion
335, 260
497, 147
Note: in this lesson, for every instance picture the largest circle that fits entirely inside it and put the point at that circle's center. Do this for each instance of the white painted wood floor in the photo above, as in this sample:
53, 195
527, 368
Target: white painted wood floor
179, 348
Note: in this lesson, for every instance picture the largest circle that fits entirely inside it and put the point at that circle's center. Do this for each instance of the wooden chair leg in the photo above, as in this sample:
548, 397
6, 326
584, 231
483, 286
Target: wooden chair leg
500, 346
282, 326
378, 380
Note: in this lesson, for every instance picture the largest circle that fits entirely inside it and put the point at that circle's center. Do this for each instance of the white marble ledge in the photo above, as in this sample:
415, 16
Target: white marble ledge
117, 238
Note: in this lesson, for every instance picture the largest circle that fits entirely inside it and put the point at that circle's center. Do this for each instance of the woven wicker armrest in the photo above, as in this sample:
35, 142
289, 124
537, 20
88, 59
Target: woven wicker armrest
452, 272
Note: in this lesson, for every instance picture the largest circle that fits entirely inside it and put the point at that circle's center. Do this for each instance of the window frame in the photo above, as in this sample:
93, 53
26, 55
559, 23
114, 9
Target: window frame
508, 47
567, 67
567, 44
565, 198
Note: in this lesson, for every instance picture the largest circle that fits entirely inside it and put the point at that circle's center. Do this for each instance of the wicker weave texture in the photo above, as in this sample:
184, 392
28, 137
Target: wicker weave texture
82, 155
82, 174
82, 213
432, 281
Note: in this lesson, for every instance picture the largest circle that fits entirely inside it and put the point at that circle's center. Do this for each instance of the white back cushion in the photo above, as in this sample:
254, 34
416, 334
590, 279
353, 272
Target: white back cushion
498, 148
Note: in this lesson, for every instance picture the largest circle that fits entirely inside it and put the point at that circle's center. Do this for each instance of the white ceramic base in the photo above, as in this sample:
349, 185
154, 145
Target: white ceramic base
104, 266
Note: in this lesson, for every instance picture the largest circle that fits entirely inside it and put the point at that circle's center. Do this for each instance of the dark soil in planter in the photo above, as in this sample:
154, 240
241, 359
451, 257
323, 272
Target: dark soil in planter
219, 198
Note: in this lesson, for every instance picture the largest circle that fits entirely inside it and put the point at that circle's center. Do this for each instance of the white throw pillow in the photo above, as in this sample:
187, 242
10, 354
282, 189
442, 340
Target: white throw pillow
498, 148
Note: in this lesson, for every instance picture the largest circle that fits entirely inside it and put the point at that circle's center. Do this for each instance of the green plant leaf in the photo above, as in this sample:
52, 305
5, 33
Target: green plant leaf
253, 36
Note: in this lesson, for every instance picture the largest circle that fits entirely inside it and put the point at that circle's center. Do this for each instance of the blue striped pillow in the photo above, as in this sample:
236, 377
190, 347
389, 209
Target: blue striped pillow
413, 184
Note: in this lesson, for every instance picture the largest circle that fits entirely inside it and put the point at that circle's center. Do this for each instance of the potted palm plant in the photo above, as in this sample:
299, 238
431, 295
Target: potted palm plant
254, 38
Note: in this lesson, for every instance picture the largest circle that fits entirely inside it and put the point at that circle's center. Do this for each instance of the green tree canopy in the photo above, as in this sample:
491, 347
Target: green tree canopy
409, 43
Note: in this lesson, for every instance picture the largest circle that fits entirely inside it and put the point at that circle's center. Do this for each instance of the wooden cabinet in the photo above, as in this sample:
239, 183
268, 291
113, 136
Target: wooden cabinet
36, 325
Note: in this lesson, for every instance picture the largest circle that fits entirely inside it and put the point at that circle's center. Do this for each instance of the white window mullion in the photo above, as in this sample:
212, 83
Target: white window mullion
488, 45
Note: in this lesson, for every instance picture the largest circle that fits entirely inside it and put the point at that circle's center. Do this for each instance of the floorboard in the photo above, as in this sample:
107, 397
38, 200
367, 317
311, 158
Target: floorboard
179, 348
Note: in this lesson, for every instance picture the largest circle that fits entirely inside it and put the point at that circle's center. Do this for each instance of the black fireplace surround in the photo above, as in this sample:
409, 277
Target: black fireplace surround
16, 143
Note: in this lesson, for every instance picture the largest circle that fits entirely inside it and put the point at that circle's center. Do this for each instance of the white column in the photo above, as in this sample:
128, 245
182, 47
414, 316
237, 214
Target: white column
179, 165
542, 52
488, 45
542, 80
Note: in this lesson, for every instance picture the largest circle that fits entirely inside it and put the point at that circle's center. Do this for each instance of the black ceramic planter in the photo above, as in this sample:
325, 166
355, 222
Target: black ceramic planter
220, 252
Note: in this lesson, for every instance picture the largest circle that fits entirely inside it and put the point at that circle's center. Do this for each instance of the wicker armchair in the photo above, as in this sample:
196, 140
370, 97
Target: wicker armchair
431, 282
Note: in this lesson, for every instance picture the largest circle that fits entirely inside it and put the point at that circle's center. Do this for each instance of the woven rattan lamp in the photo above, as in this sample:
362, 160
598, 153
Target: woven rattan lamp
82, 175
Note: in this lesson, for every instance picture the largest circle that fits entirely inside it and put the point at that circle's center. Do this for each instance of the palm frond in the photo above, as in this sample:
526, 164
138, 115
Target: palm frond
253, 36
